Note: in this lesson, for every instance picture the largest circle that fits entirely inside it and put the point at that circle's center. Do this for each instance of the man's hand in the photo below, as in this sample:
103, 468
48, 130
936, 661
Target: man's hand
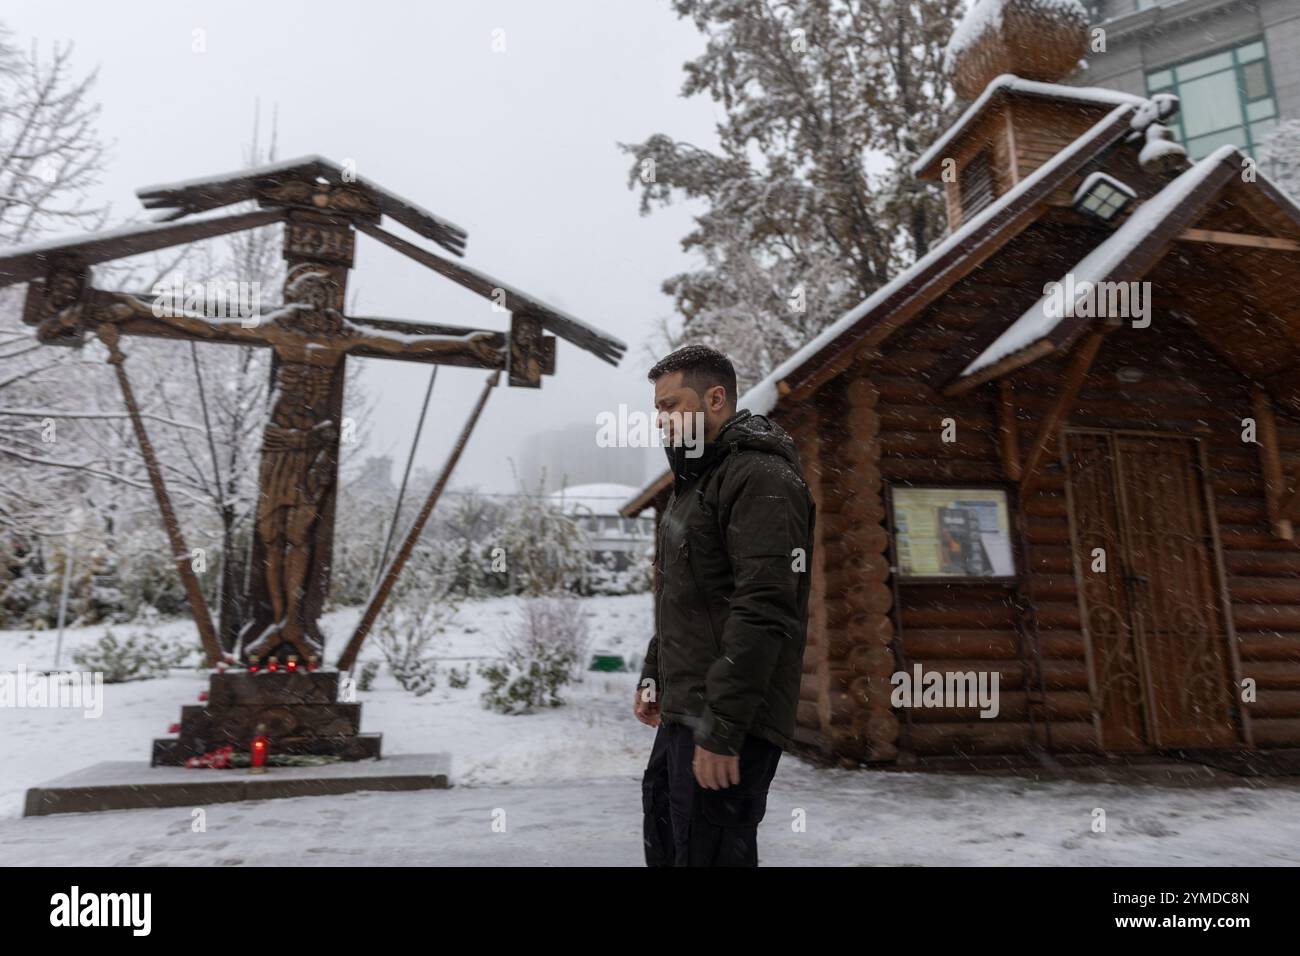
647, 711
715, 771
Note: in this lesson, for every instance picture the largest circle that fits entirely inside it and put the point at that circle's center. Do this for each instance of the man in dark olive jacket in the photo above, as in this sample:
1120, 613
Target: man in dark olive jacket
721, 674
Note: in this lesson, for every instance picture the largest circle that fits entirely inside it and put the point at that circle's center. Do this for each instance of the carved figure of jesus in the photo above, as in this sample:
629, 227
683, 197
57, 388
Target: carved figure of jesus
298, 467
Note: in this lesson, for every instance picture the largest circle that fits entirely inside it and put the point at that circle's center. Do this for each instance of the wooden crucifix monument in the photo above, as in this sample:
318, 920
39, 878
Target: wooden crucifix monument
322, 208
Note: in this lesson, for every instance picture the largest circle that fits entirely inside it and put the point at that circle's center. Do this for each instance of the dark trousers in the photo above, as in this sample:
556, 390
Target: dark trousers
688, 825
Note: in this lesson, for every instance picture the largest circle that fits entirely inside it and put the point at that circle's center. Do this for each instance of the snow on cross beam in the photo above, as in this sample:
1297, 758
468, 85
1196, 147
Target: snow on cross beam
33, 260
568, 327
312, 181
307, 182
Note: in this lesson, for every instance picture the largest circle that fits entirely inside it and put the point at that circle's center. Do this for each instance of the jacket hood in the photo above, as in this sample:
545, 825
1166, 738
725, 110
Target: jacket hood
743, 430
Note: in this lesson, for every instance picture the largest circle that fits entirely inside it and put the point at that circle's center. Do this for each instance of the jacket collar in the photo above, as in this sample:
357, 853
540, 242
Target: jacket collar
685, 468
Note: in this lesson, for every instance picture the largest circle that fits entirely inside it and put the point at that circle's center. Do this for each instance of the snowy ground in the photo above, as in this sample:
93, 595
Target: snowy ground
568, 782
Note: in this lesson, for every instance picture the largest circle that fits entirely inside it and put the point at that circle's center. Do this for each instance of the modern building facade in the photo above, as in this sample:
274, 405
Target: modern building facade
1234, 64
620, 541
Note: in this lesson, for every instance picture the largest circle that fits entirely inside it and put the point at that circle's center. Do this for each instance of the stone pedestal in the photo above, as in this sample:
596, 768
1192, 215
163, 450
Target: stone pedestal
300, 709
131, 785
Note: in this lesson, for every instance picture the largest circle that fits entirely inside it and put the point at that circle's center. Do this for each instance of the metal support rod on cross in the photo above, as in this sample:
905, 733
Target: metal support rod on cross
109, 335
406, 475
349, 657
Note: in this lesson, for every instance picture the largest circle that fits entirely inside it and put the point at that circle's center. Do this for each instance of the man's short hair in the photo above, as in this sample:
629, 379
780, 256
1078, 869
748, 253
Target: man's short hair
701, 368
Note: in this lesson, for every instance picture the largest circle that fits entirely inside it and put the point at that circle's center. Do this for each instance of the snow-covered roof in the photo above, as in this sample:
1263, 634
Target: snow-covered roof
1010, 83
270, 169
764, 395
601, 498
762, 398
64, 240
1038, 321
266, 169
567, 326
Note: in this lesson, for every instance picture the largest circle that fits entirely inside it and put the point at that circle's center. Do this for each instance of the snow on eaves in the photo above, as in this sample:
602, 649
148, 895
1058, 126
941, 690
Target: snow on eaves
545, 307
1010, 83
270, 169
1096, 267
248, 172
762, 398
54, 243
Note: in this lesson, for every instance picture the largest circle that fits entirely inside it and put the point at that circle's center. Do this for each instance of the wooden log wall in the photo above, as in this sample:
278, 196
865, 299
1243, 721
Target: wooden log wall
884, 424
812, 714
967, 627
846, 688
1020, 135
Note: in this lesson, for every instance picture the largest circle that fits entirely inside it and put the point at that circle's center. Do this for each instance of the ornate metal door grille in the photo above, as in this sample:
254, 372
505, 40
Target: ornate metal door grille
1150, 591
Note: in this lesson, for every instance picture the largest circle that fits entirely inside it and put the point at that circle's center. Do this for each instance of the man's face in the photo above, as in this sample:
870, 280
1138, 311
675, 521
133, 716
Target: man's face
685, 417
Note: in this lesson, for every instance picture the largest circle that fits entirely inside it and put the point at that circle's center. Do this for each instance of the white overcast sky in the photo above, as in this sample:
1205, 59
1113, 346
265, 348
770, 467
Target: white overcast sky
518, 147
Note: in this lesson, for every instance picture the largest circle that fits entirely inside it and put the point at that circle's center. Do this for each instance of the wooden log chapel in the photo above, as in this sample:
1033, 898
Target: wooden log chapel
1062, 450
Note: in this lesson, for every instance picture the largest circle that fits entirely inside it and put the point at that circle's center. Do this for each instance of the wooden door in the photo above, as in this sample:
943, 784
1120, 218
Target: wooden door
1151, 593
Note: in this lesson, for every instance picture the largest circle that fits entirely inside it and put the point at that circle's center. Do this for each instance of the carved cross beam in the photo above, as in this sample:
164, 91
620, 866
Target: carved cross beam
65, 312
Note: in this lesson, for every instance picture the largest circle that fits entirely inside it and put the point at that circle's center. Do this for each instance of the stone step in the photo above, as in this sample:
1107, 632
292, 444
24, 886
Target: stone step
237, 725
127, 785
240, 687
174, 751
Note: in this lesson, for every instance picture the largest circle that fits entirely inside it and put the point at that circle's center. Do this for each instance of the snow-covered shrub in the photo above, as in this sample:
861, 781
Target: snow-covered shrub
458, 678
142, 655
148, 576
545, 549
419, 608
366, 679
470, 524
602, 573
1279, 157
545, 651
418, 675
26, 601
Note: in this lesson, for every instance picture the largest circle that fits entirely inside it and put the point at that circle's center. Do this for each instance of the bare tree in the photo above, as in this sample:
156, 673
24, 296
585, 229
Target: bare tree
50, 158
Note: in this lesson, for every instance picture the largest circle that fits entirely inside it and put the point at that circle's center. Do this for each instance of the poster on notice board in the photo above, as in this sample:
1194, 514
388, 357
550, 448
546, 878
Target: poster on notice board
952, 533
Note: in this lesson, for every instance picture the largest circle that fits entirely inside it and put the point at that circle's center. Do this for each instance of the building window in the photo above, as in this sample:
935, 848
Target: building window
1226, 98
954, 532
